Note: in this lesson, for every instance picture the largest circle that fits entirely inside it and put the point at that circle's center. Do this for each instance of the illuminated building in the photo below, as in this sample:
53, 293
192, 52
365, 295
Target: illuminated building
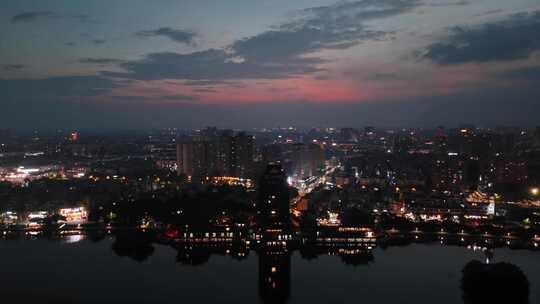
235, 154
216, 234
300, 161
75, 172
479, 197
273, 202
232, 181
331, 220
346, 235
213, 153
196, 156
74, 215
35, 219
21, 175
8, 218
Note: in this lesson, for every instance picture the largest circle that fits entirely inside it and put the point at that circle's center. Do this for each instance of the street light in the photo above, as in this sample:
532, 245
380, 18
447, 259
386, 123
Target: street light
535, 191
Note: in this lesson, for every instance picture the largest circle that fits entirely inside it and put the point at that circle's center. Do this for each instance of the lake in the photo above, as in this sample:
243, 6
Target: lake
78, 270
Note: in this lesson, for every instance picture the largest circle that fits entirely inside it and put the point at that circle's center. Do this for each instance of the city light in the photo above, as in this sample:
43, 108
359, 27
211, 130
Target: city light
27, 171
74, 215
337, 151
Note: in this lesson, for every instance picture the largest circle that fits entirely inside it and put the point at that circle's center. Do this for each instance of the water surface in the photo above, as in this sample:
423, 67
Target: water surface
91, 272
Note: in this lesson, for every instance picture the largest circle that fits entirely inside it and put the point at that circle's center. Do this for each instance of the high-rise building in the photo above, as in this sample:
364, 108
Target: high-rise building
235, 154
273, 203
306, 160
214, 153
196, 156
299, 160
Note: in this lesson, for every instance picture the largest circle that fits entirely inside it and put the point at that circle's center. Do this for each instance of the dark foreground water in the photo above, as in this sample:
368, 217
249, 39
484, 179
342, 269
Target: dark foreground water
91, 272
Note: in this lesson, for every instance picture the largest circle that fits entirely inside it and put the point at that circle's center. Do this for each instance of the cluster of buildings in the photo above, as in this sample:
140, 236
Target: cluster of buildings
40, 219
21, 175
424, 175
299, 160
215, 153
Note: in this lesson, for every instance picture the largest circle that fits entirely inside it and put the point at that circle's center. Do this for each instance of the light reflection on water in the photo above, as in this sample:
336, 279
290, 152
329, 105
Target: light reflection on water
73, 238
75, 269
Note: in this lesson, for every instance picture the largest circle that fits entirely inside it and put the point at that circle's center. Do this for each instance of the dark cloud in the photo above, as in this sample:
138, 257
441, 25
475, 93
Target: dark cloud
56, 87
100, 61
205, 82
490, 12
338, 26
290, 46
213, 64
181, 97
31, 16
451, 3
514, 38
175, 97
281, 52
12, 67
180, 36
347, 13
35, 16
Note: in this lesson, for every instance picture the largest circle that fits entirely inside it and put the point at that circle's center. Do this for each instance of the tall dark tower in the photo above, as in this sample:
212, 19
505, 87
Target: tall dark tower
274, 227
273, 202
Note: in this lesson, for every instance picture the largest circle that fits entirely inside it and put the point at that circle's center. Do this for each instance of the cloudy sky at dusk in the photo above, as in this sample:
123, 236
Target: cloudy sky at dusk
110, 64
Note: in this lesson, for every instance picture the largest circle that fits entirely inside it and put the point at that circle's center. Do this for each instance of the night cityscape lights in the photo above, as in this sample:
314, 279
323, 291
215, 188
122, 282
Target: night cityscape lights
281, 152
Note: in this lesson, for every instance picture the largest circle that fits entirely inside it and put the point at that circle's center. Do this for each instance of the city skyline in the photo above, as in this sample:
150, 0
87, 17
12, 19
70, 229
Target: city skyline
386, 209
244, 64
280, 152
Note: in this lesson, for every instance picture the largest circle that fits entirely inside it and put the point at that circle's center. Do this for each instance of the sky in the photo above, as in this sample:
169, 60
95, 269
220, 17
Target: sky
138, 64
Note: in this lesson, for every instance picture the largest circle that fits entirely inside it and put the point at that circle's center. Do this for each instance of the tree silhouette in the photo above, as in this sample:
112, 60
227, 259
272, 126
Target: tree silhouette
494, 283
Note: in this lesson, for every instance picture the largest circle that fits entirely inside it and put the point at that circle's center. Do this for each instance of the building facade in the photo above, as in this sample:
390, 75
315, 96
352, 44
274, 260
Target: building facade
216, 153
